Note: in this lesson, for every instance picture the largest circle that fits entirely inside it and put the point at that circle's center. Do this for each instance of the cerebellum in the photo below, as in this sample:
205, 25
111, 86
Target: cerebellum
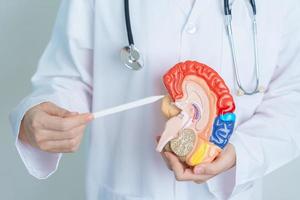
205, 112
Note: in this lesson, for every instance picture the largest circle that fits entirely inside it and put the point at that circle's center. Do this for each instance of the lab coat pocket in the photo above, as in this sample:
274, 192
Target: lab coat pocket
106, 193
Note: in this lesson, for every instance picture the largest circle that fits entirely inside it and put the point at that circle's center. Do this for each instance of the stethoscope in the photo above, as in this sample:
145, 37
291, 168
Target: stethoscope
132, 59
130, 55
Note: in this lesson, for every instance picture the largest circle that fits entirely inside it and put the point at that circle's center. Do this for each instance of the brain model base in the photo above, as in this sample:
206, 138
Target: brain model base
201, 115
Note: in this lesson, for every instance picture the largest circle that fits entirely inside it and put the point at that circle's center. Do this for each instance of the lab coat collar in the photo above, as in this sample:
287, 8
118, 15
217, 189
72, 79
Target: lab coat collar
199, 7
194, 11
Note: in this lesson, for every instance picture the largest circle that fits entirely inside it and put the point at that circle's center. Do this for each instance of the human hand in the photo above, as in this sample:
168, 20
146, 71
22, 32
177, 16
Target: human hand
53, 129
203, 172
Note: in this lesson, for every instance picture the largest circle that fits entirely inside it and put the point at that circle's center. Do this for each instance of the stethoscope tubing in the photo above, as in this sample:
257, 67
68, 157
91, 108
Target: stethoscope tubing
228, 18
135, 63
128, 23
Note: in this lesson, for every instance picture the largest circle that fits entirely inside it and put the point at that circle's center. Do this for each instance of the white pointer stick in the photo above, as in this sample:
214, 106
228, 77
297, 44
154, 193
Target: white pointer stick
127, 106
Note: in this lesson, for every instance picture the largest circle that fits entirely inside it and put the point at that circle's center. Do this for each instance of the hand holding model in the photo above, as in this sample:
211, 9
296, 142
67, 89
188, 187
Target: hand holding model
202, 172
201, 120
53, 129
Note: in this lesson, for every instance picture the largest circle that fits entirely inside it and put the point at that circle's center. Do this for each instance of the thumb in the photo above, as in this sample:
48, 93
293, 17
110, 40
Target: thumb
207, 169
212, 168
223, 162
52, 109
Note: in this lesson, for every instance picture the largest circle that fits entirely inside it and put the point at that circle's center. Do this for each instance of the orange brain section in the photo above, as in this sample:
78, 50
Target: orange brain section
173, 80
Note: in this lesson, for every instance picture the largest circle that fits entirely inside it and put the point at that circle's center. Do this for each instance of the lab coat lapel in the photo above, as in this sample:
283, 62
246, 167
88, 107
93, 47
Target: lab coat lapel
200, 7
192, 11
184, 6
202, 34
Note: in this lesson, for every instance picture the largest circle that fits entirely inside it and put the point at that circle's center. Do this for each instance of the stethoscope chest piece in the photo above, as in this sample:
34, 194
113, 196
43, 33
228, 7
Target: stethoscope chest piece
131, 57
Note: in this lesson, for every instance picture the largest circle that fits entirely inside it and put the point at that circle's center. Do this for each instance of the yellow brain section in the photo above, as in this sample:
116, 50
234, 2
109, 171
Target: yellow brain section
199, 155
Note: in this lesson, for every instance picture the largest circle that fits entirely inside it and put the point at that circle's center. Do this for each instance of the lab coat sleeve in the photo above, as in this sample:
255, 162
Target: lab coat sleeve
64, 77
271, 138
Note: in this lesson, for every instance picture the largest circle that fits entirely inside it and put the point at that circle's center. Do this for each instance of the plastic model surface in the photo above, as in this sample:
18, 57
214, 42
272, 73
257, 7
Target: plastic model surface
201, 115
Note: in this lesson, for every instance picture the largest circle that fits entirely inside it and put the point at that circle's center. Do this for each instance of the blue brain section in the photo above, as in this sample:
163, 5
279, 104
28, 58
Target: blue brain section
228, 117
222, 129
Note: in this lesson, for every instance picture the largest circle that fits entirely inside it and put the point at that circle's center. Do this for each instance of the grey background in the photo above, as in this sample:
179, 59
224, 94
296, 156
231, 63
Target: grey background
25, 28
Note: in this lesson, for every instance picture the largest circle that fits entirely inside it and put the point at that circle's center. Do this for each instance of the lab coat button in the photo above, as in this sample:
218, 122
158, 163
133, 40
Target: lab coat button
191, 28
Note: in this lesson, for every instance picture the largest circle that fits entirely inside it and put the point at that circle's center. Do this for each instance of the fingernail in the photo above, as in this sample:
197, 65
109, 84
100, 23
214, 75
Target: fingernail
199, 170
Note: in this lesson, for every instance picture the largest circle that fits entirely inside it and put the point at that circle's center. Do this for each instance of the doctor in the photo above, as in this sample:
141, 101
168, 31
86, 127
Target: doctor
80, 72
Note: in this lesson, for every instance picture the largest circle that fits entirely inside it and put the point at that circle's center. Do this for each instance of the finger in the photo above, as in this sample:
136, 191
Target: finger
61, 146
46, 135
166, 160
209, 168
66, 124
191, 176
176, 166
163, 155
53, 109
71, 114
185, 174
222, 163
182, 173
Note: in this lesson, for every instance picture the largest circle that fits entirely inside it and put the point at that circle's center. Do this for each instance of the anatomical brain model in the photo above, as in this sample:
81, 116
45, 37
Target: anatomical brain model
200, 111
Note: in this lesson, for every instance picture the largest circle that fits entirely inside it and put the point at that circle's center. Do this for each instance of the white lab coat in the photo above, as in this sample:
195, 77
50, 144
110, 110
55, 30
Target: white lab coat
81, 71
